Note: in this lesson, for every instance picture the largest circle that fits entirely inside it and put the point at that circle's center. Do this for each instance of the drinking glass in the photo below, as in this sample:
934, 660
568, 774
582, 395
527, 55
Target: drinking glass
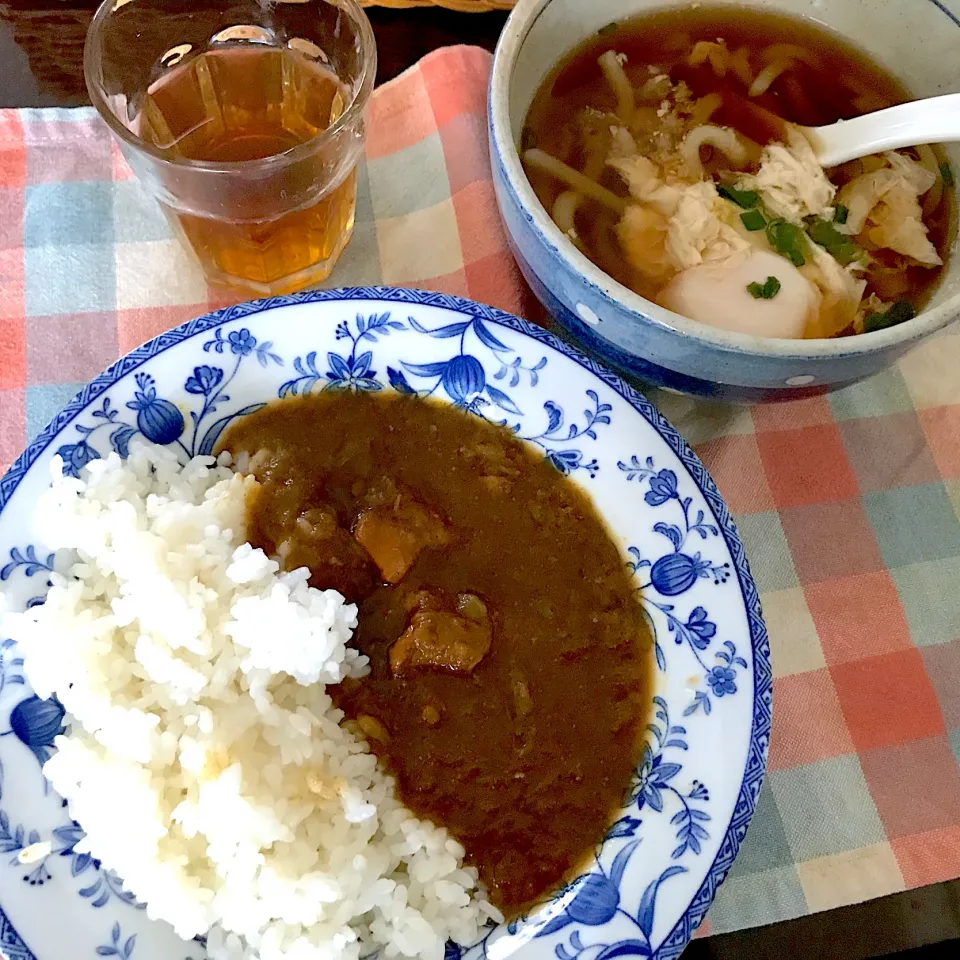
245, 120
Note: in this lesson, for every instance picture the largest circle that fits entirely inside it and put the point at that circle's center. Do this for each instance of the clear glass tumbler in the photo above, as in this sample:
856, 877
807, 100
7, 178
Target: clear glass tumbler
245, 119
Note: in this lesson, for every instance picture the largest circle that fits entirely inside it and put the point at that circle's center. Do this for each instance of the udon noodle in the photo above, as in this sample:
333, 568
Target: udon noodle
670, 150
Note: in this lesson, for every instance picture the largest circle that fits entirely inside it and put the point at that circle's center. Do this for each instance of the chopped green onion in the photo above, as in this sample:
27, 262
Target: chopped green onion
609, 28
764, 291
899, 312
946, 174
787, 239
753, 220
840, 213
742, 198
527, 139
837, 244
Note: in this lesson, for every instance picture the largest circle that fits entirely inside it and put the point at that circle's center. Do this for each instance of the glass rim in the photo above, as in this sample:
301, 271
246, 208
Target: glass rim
358, 103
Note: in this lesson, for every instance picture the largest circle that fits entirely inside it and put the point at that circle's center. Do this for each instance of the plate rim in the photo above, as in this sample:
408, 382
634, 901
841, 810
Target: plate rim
756, 758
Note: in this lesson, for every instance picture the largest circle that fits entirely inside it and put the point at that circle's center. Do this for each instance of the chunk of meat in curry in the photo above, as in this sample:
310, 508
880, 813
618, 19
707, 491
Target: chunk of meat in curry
302, 529
510, 663
394, 535
440, 639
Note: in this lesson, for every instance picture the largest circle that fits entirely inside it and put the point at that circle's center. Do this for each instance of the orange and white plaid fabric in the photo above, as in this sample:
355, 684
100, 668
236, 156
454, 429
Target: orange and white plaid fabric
849, 505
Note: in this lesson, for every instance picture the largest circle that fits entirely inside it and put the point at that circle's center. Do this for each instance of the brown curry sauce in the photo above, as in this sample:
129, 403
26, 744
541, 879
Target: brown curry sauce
510, 662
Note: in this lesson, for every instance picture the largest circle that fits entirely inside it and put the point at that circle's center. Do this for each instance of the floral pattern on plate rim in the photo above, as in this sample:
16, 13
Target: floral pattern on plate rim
479, 372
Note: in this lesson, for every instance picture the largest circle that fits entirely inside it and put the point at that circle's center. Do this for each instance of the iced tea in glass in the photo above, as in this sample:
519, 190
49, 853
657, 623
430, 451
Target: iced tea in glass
245, 121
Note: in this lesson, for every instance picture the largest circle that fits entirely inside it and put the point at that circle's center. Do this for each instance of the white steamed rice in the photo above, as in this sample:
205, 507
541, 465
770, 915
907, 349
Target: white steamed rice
204, 759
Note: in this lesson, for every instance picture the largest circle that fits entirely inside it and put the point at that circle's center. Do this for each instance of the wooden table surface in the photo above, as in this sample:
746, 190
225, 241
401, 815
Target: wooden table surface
41, 45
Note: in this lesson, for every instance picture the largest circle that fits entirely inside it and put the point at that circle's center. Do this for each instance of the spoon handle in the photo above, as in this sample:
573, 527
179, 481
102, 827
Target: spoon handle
934, 120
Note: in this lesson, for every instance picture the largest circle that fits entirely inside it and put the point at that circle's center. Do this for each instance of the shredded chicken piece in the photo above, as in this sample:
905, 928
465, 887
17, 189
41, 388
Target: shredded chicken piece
791, 182
642, 177
841, 292
642, 232
675, 226
654, 89
676, 221
696, 233
682, 94
920, 177
622, 144
885, 204
900, 227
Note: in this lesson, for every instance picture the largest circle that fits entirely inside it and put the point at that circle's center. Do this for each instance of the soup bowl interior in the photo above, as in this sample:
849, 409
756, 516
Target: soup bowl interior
688, 803
914, 42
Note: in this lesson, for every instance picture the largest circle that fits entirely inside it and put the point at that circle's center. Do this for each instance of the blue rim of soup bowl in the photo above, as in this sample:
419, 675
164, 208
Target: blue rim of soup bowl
619, 297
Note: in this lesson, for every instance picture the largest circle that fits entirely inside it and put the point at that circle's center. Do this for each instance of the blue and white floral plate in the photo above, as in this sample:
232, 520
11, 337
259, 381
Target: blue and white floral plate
695, 790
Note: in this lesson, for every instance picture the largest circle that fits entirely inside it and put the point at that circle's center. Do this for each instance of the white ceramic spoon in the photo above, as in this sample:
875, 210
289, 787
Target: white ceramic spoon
934, 120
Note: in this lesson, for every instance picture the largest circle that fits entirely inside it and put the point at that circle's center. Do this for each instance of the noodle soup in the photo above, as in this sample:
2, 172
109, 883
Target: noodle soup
668, 148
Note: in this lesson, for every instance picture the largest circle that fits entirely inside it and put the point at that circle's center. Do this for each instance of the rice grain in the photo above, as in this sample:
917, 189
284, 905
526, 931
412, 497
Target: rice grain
203, 757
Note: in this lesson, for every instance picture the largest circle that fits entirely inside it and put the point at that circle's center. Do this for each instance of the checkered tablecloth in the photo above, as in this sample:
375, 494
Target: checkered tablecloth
849, 505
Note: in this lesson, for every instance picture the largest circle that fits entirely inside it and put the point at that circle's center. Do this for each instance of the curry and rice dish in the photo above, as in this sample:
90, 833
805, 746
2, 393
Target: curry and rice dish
670, 150
371, 681
493, 606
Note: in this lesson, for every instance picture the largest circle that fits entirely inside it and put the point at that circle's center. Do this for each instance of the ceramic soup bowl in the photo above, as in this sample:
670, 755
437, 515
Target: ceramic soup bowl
916, 41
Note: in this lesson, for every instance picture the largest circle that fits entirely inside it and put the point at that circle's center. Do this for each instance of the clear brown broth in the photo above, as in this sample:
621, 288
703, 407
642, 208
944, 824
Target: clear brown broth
844, 83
